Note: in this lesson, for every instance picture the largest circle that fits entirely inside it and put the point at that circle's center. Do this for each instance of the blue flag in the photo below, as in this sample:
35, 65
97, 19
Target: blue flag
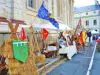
44, 14
54, 22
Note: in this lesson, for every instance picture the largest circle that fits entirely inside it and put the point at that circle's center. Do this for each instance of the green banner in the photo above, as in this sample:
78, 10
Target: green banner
20, 50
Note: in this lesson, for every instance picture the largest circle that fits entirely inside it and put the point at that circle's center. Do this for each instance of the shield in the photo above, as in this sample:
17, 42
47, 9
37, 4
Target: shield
20, 50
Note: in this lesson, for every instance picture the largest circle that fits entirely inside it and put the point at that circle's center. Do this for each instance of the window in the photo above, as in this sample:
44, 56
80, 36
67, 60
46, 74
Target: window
59, 10
87, 22
94, 22
32, 4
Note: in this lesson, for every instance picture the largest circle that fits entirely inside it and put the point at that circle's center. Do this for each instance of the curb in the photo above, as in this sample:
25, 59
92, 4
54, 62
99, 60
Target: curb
48, 65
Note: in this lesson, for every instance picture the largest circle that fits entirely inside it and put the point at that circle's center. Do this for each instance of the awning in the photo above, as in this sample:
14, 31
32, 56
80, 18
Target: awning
50, 26
4, 28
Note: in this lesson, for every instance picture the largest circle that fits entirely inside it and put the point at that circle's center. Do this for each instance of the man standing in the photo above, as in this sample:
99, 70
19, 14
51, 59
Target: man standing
89, 35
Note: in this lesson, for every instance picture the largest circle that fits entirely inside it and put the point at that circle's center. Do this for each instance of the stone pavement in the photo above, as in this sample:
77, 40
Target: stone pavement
48, 61
95, 70
78, 65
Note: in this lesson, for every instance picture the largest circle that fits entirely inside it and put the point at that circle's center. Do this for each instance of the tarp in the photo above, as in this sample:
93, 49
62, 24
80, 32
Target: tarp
50, 26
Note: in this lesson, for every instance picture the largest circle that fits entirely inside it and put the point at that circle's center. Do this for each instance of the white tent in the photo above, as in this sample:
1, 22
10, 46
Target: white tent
4, 28
94, 32
50, 26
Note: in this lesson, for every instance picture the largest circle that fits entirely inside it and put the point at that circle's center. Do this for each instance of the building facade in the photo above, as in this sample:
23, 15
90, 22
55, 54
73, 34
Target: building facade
90, 16
26, 10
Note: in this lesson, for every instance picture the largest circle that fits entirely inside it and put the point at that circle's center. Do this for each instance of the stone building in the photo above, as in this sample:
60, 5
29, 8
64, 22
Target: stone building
90, 16
26, 11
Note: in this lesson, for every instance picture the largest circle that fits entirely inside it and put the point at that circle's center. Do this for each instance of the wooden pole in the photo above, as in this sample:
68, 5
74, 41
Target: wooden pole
13, 30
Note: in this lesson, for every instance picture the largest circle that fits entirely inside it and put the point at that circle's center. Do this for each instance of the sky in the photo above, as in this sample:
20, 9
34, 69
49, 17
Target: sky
79, 3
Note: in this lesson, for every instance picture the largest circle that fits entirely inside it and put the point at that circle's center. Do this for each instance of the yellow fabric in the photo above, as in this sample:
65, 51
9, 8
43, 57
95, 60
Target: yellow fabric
84, 37
51, 16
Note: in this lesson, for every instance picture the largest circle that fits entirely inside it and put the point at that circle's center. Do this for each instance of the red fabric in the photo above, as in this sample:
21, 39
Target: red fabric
23, 35
44, 33
81, 38
98, 40
54, 43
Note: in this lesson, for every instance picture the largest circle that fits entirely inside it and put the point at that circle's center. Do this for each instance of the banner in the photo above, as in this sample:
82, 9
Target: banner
20, 50
22, 34
44, 33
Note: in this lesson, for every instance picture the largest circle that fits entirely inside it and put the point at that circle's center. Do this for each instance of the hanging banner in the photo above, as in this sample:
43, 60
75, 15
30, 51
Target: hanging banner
44, 33
23, 35
20, 50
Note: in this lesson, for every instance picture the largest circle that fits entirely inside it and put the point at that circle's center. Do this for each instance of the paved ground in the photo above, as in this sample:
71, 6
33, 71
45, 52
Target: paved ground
78, 65
48, 60
96, 64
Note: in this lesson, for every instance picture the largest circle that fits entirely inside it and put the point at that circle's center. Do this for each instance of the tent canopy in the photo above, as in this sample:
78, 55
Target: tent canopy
50, 26
4, 28
94, 32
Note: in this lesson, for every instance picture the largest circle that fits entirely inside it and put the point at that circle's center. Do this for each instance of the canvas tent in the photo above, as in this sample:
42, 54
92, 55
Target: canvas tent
50, 26
4, 28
